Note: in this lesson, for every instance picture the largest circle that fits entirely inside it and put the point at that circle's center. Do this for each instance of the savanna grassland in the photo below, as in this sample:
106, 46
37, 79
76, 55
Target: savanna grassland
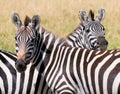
59, 17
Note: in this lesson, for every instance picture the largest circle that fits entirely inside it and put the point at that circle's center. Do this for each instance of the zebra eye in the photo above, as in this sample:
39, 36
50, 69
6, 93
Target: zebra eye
87, 30
33, 39
103, 28
15, 37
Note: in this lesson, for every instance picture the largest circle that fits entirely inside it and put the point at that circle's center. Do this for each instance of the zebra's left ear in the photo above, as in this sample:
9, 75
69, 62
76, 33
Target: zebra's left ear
82, 16
101, 14
35, 21
16, 19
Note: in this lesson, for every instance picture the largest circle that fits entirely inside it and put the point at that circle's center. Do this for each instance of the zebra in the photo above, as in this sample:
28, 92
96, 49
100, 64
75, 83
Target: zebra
8, 59
90, 32
66, 70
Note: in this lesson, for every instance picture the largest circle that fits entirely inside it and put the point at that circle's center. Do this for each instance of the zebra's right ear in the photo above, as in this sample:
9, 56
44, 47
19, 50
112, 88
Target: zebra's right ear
35, 21
101, 14
16, 19
82, 15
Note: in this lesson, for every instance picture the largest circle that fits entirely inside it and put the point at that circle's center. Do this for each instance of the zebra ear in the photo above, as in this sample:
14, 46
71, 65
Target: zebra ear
16, 19
90, 16
35, 21
101, 14
82, 15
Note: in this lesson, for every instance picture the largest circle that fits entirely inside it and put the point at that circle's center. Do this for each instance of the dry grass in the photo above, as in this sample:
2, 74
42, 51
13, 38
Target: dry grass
58, 16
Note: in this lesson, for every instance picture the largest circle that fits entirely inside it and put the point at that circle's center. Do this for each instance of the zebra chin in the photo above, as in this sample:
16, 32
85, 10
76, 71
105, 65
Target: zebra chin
20, 65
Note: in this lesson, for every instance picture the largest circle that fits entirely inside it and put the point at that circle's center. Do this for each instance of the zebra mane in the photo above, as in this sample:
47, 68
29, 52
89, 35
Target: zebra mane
78, 27
91, 15
27, 20
61, 40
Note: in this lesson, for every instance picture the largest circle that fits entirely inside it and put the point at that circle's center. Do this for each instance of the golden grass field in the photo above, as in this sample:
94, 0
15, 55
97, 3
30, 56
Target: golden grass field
59, 17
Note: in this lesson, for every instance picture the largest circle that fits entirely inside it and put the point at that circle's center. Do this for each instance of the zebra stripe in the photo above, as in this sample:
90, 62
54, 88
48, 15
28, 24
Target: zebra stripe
69, 69
30, 80
13, 82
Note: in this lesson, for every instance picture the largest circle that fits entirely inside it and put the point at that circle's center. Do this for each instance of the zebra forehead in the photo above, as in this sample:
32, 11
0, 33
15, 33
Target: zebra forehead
95, 27
26, 30
94, 23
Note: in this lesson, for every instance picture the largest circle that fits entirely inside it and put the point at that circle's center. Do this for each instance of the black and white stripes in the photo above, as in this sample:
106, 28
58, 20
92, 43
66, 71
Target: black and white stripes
30, 81
68, 69
13, 82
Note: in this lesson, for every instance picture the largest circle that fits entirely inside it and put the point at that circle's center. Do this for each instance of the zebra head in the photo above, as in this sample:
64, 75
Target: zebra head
25, 40
93, 30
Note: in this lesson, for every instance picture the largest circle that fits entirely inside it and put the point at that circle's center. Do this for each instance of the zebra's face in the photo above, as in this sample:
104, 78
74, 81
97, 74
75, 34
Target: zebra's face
25, 46
94, 36
25, 41
93, 31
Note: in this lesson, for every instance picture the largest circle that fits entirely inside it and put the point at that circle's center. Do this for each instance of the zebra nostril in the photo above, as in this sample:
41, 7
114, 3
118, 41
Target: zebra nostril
98, 43
20, 66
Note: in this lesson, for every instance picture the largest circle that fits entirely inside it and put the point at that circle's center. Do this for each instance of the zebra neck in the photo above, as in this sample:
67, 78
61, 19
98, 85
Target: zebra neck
45, 44
76, 39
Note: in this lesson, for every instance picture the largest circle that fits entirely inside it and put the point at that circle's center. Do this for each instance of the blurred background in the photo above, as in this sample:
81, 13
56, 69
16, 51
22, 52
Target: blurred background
59, 17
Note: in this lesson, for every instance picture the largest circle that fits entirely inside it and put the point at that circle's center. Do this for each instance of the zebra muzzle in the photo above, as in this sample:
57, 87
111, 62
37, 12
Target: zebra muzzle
102, 43
20, 66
